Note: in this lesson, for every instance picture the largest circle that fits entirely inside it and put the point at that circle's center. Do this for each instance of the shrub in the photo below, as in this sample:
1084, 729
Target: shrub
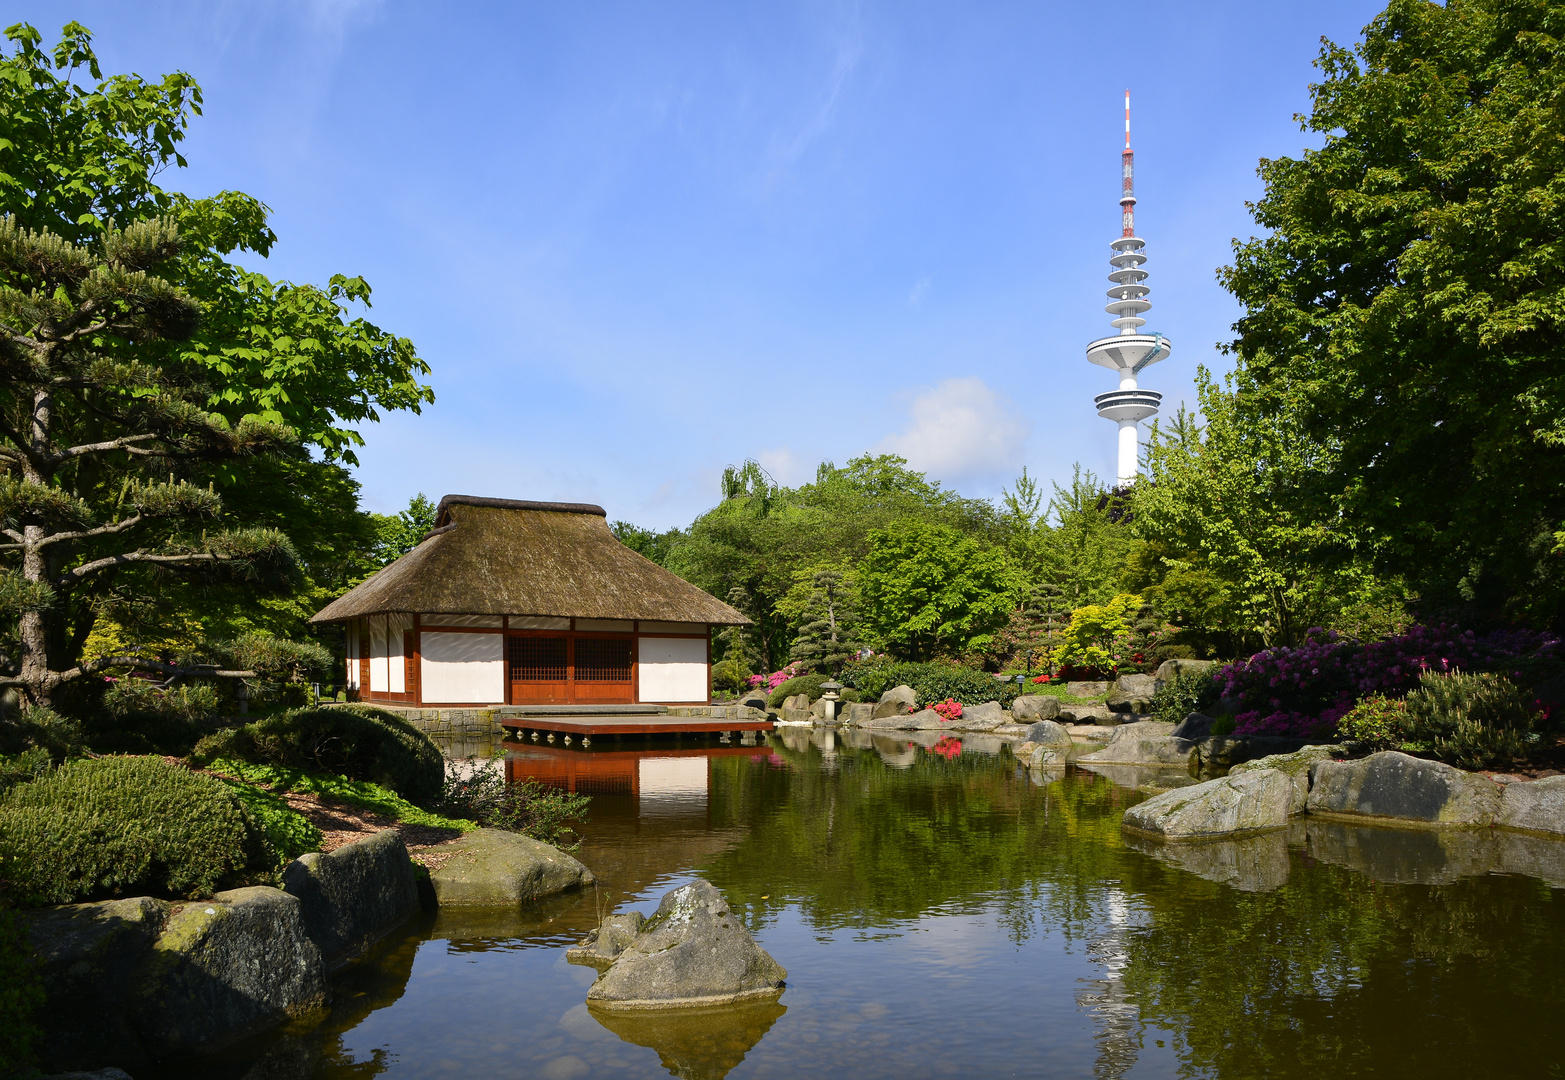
799, 684
1379, 722
57, 736
1184, 694
524, 806
1099, 636
1474, 721
21, 992
118, 826
947, 710
24, 767
359, 742
935, 682
138, 717
730, 675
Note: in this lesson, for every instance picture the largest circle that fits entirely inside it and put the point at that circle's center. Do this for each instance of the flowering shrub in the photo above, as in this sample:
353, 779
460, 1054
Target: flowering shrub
777, 678
948, 747
949, 710
1304, 691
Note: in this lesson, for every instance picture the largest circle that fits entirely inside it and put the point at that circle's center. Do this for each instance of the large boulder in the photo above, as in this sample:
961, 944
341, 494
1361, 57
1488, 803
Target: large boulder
352, 897
1244, 803
1087, 714
1086, 688
1537, 806
1220, 751
799, 702
1048, 733
856, 712
985, 716
898, 701
224, 968
1136, 686
1194, 726
692, 951
86, 955
1169, 670
1031, 707
496, 867
924, 720
1120, 702
1296, 766
1394, 785
1146, 743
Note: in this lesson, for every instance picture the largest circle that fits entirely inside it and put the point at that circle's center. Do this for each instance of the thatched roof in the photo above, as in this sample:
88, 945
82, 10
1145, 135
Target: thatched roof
503, 557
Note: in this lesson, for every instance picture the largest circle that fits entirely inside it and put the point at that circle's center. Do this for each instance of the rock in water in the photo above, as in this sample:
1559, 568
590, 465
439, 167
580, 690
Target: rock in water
1538, 806
693, 951
1391, 784
495, 867
1031, 707
353, 896
1296, 765
1232, 804
985, 716
1148, 742
601, 947
897, 701
1048, 733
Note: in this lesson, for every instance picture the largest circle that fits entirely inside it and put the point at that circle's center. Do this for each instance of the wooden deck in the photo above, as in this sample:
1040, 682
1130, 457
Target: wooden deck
593, 722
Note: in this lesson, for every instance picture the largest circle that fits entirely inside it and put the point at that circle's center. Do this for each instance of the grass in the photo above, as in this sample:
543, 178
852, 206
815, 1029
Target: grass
1058, 690
360, 794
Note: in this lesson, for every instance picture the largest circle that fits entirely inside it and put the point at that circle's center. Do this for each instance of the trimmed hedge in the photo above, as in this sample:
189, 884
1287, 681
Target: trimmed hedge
123, 826
360, 742
931, 682
810, 685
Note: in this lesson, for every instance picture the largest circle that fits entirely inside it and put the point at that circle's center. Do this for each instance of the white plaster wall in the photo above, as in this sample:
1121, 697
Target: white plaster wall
352, 632
672, 669
396, 659
490, 621
380, 674
462, 669
671, 627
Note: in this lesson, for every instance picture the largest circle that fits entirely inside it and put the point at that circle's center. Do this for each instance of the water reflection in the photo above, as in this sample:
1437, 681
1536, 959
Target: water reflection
967, 916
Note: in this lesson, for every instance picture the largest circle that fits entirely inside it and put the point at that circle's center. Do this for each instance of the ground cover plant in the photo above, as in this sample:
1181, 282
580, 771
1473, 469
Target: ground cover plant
359, 742
121, 826
331, 787
526, 806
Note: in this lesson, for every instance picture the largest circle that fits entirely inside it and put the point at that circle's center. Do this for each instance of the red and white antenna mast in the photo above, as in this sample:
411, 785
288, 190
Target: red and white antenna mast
1129, 352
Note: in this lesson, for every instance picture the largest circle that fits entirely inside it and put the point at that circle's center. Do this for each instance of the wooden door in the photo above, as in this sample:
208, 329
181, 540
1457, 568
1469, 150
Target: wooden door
539, 669
603, 670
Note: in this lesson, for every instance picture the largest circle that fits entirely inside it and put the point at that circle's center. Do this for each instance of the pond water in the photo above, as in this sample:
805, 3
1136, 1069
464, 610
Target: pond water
942, 913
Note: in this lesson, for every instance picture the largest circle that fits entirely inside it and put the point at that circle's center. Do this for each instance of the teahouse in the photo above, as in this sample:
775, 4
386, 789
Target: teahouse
527, 603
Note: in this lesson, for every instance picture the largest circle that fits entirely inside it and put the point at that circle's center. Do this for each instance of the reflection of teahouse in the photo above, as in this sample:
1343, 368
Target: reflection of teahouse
527, 603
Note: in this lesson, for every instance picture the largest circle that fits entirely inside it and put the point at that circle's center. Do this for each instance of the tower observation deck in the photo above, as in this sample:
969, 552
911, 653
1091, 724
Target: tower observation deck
1129, 352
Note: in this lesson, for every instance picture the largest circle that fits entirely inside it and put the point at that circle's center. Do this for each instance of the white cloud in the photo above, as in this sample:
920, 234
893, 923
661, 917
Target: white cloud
786, 467
961, 430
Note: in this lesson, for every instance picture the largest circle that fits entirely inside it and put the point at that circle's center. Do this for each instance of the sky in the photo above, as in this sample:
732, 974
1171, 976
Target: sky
638, 243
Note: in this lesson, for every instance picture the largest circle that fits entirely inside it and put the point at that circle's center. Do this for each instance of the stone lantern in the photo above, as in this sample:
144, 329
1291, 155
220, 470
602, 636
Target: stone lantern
829, 695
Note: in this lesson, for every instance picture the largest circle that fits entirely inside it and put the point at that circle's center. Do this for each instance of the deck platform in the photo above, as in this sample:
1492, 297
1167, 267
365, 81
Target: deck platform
587, 722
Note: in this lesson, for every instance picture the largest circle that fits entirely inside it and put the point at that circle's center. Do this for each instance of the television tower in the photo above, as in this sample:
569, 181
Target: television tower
1129, 352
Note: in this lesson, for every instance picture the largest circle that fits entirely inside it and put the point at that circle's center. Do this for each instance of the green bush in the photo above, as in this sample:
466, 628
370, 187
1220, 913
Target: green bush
1379, 722
137, 717
40, 729
1474, 721
932, 682
24, 767
21, 992
526, 806
288, 832
119, 826
730, 675
800, 684
359, 742
1184, 694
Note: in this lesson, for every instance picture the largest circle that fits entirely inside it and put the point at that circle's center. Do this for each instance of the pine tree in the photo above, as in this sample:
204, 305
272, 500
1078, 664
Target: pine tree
827, 638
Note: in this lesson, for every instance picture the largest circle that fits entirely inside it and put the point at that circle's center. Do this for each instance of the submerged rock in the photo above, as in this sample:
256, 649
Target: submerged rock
693, 951
1392, 784
353, 896
1247, 802
601, 947
496, 867
1031, 707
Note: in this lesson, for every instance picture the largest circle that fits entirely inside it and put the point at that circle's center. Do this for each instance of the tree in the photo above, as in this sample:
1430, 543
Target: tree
930, 591
828, 618
1082, 544
1408, 302
656, 546
83, 416
399, 533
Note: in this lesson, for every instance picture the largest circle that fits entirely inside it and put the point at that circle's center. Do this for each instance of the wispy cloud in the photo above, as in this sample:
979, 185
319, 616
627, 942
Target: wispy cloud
920, 289
847, 50
961, 430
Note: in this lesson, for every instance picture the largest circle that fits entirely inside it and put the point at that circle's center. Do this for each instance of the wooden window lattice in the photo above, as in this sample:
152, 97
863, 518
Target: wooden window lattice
603, 660
538, 659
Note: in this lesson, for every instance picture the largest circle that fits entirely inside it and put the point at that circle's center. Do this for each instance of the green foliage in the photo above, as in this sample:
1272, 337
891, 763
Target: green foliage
1474, 721
1404, 300
138, 717
931, 591
1378, 722
40, 730
731, 674
656, 546
809, 685
932, 682
825, 606
356, 741
276, 659
1097, 637
21, 768
21, 993
288, 832
119, 826
330, 787
399, 533
130, 698
527, 806
1191, 691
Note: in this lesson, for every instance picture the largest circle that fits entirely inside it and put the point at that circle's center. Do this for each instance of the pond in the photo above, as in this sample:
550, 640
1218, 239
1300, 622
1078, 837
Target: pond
941, 912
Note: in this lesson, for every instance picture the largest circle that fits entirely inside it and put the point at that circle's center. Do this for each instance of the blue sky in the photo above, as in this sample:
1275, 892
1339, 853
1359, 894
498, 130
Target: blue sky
639, 242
